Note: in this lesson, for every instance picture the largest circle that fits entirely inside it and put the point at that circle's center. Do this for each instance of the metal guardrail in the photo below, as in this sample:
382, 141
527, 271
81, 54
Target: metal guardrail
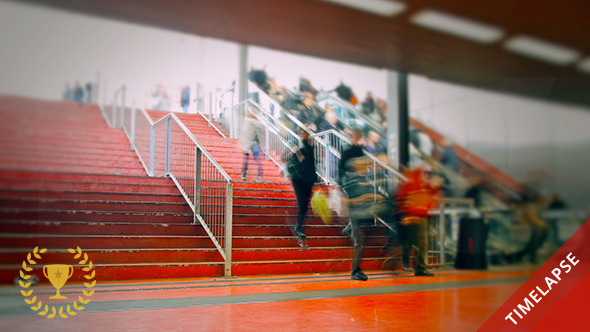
328, 145
279, 139
215, 106
167, 148
113, 113
348, 114
442, 234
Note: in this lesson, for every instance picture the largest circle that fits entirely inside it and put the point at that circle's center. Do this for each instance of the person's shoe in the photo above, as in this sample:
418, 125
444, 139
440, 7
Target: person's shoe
359, 275
259, 180
300, 234
347, 230
406, 267
424, 273
243, 176
302, 243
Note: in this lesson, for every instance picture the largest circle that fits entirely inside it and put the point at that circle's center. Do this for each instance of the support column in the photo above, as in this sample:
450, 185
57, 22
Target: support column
397, 119
243, 73
242, 88
403, 120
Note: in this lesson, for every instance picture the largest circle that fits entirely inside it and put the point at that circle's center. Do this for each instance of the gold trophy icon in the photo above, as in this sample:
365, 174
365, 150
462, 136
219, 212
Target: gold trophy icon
58, 275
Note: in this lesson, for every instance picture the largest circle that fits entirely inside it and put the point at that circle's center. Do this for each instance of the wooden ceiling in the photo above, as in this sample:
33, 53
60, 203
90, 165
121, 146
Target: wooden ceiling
330, 31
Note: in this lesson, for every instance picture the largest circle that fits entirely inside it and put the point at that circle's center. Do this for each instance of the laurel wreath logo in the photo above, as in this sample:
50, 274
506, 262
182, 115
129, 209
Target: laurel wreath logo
54, 310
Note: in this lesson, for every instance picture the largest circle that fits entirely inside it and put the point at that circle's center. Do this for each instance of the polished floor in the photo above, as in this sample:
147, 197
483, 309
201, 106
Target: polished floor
450, 301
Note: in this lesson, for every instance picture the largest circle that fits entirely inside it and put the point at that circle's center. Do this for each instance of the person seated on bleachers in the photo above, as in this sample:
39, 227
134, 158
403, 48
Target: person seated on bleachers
374, 145
305, 112
449, 157
330, 122
370, 109
260, 78
305, 86
345, 93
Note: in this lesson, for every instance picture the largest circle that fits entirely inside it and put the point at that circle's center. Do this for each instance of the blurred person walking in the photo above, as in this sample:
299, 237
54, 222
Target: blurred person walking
185, 97
415, 198
527, 212
68, 94
252, 136
301, 169
78, 94
350, 178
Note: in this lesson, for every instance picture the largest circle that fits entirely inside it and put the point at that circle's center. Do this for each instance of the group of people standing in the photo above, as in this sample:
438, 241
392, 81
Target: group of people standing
78, 93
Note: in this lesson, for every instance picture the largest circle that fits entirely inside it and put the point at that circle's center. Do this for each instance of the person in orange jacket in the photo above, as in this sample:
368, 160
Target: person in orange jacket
415, 198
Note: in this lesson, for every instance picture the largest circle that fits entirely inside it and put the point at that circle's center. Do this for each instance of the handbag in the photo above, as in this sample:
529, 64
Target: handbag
337, 203
319, 204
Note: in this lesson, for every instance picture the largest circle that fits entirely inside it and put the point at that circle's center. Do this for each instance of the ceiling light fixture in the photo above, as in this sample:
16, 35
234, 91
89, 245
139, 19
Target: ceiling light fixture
457, 26
541, 50
379, 7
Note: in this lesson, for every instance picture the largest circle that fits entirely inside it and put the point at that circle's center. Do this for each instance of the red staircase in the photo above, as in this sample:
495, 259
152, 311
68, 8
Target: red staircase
67, 180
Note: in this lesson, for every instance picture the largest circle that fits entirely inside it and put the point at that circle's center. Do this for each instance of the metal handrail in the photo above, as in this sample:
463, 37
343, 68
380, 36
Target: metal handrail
326, 97
281, 112
215, 98
192, 168
197, 143
114, 112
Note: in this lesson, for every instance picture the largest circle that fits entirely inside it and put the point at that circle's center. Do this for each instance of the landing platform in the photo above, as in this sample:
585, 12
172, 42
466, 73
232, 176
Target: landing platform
452, 300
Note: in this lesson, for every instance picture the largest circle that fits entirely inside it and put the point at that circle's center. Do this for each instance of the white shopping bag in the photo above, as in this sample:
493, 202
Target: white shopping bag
336, 202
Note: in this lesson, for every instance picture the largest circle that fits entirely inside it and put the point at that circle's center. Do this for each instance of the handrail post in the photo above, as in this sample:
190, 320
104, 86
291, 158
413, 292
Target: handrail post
267, 138
442, 233
231, 116
132, 134
152, 151
197, 198
168, 125
228, 228
114, 112
104, 95
327, 159
122, 109
211, 103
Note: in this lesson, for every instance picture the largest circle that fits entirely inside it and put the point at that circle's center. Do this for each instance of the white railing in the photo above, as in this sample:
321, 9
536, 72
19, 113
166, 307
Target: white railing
279, 139
215, 106
112, 113
167, 148
443, 228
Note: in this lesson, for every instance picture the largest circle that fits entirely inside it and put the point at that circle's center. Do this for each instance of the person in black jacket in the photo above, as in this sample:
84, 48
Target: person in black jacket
303, 177
353, 151
349, 178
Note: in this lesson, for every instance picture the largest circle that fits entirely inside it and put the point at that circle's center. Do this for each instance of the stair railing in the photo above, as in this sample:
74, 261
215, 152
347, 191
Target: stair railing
280, 141
113, 113
167, 148
348, 114
215, 106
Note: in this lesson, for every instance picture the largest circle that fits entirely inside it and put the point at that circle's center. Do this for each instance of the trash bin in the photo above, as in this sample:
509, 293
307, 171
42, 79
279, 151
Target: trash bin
471, 247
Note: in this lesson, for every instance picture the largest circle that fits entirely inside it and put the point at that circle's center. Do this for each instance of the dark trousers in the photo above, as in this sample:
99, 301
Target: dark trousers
358, 243
538, 237
303, 191
361, 218
257, 161
414, 235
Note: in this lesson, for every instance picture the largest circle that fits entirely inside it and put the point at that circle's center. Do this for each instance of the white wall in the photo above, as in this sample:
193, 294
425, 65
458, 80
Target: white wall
521, 136
43, 49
